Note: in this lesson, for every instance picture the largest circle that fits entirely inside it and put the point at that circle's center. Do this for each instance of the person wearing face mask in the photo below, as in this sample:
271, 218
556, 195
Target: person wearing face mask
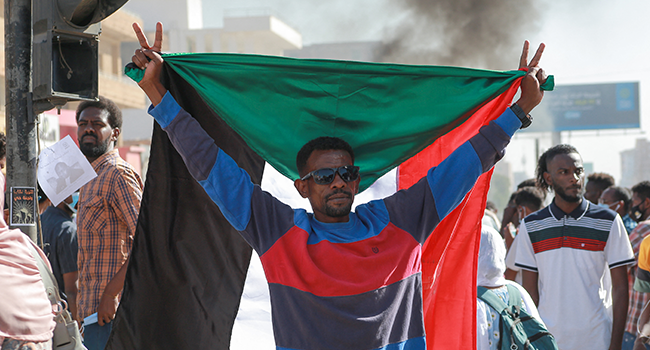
641, 193
640, 210
619, 200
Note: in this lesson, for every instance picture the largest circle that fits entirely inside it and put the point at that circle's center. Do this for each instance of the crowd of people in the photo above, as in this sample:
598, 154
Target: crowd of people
577, 256
572, 258
87, 239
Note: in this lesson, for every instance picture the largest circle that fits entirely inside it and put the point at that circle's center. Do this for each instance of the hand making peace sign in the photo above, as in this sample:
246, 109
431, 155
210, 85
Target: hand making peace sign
148, 58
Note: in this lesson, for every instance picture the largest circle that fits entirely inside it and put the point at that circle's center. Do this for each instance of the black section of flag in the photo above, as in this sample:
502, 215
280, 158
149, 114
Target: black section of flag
188, 264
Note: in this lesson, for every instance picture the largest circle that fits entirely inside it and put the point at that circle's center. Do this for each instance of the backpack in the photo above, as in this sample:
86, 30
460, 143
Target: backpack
519, 330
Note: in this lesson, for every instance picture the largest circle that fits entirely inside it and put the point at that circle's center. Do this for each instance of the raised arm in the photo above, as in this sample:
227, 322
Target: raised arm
148, 57
454, 177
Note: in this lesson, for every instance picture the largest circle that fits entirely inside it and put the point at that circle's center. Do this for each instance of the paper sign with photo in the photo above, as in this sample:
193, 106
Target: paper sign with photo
63, 169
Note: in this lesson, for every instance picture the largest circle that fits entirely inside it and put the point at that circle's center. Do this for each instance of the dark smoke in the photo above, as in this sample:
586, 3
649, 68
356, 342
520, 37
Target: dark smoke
474, 33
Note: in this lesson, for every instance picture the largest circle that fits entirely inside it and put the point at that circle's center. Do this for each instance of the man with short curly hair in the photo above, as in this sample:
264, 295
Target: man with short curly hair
108, 211
596, 184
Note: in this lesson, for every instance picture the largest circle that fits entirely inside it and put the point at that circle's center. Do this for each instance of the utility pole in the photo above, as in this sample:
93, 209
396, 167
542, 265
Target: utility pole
20, 121
51, 57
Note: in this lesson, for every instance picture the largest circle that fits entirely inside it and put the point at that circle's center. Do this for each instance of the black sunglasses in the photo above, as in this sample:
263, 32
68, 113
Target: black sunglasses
326, 175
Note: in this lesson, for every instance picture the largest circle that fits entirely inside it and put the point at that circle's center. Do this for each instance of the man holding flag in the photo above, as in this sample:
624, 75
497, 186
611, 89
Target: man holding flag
337, 279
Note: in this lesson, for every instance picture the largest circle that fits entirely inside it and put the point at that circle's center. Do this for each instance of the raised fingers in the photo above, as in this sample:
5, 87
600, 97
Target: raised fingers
538, 56
157, 44
523, 60
142, 39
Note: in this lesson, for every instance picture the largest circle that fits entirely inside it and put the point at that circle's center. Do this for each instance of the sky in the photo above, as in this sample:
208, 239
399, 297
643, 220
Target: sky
595, 42
587, 42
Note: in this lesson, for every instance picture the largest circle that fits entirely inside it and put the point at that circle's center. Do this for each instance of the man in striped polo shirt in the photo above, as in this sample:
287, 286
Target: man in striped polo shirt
572, 252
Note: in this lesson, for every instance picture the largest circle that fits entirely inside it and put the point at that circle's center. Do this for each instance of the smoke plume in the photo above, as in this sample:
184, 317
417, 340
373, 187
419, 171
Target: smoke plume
474, 33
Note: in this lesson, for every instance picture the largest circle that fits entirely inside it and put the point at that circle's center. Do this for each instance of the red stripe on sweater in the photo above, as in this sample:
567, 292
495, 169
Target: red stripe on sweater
338, 269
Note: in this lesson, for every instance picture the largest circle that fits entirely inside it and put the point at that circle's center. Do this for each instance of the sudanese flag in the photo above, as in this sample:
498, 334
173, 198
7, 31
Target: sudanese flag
188, 265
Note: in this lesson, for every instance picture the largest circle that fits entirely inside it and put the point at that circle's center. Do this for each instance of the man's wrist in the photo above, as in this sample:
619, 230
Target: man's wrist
525, 118
110, 293
154, 90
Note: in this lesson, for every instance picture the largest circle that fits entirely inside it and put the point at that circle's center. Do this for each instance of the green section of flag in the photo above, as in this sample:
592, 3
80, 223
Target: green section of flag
387, 112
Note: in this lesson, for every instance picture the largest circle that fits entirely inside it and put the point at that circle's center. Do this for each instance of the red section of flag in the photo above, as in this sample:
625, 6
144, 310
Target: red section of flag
449, 256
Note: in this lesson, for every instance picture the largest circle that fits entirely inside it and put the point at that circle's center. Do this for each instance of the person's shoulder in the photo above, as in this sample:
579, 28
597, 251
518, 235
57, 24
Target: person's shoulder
541, 214
643, 226
52, 216
597, 212
517, 285
114, 162
48, 213
641, 230
120, 168
645, 243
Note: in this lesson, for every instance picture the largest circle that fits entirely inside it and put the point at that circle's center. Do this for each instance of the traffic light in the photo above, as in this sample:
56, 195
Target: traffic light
65, 48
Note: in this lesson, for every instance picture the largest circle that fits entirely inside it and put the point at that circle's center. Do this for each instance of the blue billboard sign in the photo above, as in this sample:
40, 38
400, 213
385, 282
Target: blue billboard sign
588, 107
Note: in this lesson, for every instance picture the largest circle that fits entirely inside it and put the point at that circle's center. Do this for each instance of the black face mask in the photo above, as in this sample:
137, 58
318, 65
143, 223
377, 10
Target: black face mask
636, 213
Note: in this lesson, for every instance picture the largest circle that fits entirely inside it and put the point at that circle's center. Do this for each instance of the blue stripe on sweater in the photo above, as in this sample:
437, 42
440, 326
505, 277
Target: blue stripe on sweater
230, 187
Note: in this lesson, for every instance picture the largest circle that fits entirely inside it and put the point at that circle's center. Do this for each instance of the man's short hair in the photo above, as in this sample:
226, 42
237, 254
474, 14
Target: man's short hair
114, 112
529, 183
542, 163
642, 189
602, 180
530, 197
3, 145
323, 143
526, 183
621, 194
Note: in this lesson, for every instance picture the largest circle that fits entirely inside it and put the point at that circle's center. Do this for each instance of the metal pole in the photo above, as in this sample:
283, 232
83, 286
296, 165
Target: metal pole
556, 138
21, 126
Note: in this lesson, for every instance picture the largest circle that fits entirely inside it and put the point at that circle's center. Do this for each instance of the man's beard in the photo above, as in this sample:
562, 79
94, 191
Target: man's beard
337, 212
94, 151
559, 191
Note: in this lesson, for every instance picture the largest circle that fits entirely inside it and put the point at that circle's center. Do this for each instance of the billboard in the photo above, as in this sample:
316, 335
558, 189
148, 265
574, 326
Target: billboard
588, 107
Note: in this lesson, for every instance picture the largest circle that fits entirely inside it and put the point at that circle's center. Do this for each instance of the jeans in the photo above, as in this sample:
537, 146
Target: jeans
96, 336
628, 342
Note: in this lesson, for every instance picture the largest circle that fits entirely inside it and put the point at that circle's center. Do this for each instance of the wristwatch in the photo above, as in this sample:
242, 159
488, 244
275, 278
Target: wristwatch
526, 119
